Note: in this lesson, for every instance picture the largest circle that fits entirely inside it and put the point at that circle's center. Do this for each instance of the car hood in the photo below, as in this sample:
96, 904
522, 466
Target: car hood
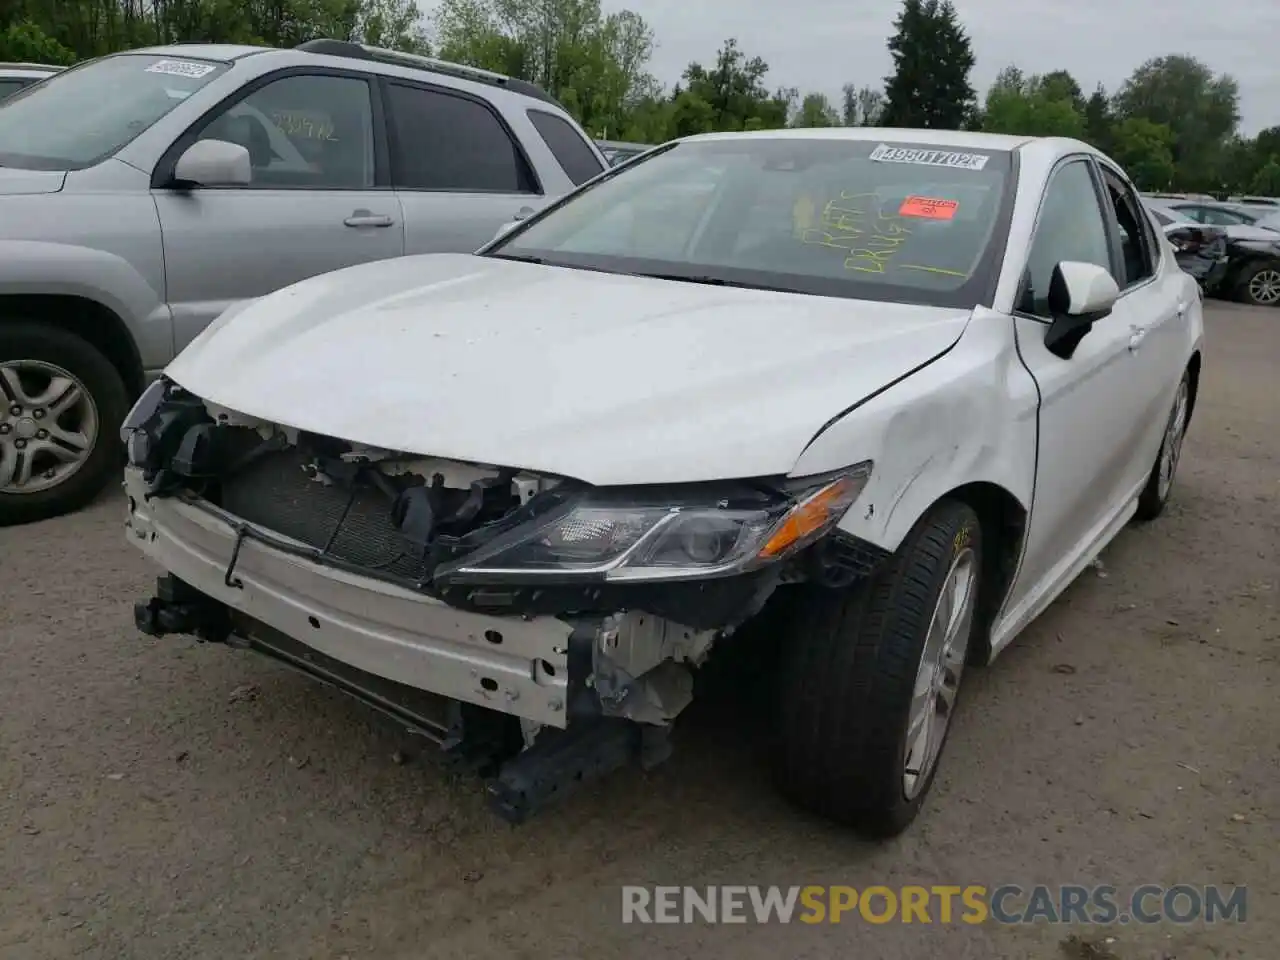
15, 182
608, 378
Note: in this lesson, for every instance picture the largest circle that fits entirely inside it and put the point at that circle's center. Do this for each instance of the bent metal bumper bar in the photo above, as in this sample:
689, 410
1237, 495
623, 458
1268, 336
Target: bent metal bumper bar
512, 665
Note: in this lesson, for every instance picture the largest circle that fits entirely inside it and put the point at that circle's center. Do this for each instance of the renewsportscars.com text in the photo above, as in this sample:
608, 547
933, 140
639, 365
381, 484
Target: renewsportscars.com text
972, 904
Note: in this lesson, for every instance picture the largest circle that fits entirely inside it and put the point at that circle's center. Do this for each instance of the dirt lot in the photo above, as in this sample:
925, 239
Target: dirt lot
150, 808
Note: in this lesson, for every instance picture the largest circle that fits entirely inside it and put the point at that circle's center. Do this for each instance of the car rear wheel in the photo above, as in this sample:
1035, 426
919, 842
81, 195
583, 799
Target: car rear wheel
61, 405
871, 678
1260, 285
1155, 495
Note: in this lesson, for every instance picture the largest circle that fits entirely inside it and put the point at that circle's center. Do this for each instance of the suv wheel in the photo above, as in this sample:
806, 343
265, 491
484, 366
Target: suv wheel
871, 678
61, 405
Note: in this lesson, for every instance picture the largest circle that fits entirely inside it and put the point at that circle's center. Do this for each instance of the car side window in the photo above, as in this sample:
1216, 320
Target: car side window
1137, 245
1198, 214
1071, 227
442, 141
303, 131
573, 154
8, 87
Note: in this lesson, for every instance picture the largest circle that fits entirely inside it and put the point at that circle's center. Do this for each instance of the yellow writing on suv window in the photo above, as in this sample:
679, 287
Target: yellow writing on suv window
303, 126
869, 240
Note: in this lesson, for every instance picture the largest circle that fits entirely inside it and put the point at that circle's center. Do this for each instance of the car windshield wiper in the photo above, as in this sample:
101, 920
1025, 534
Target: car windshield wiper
520, 257
719, 282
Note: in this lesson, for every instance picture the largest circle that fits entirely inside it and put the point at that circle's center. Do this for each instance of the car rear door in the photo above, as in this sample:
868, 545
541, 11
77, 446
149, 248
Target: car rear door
458, 169
1155, 296
320, 198
1087, 421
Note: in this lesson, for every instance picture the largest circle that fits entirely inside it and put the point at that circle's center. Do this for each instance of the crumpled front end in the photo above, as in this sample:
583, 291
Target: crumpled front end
542, 627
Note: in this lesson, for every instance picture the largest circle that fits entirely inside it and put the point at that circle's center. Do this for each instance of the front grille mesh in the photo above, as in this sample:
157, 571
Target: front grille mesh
277, 493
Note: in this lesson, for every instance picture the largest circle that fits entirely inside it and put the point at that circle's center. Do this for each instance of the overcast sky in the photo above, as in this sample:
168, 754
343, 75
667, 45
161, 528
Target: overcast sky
822, 44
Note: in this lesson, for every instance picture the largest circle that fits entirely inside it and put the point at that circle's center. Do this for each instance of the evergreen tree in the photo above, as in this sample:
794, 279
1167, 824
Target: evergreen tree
932, 58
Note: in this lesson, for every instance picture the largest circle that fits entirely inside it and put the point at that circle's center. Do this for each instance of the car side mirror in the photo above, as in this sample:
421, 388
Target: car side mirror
214, 163
1080, 294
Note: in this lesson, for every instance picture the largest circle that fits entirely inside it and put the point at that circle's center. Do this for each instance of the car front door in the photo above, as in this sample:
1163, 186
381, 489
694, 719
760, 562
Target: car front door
459, 172
1086, 429
319, 198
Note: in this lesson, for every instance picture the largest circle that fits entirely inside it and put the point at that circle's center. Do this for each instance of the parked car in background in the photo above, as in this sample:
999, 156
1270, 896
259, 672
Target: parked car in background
1200, 249
19, 76
1252, 274
1271, 202
1220, 214
212, 174
906, 379
618, 151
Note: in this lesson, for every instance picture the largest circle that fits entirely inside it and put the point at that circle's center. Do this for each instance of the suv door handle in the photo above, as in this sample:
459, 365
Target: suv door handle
524, 213
1135, 339
366, 218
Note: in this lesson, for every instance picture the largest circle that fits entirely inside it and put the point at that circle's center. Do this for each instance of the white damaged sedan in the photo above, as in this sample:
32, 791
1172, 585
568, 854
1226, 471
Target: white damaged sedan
913, 380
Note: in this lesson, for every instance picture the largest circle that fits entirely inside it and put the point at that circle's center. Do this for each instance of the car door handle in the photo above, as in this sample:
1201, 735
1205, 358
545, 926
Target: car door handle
366, 218
524, 213
1135, 339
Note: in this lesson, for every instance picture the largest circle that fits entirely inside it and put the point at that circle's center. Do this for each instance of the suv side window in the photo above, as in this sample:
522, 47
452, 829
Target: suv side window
573, 154
1137, 246
304, 131
1071, 227
443, 141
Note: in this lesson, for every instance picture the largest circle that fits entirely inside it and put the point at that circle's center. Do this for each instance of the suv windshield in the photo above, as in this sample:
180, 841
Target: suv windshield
82, 116
833, 217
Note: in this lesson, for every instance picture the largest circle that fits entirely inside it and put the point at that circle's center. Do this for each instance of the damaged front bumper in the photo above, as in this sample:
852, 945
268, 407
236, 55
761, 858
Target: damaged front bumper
542, 629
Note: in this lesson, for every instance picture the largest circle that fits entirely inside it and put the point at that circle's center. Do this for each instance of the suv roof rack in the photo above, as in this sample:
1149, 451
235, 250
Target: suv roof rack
363, 51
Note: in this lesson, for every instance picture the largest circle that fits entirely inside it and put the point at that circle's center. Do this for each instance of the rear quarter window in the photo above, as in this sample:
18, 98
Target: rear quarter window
571, 151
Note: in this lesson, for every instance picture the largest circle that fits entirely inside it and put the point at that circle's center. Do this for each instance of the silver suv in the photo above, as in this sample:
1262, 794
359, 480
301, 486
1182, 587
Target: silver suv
143, 193
19, 76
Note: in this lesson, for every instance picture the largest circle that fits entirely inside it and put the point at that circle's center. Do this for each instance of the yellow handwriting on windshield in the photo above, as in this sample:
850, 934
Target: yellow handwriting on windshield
869, 240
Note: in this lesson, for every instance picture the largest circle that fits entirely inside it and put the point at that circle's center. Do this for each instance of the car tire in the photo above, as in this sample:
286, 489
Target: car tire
1259, 284
39, 353
853, 663
1155, 495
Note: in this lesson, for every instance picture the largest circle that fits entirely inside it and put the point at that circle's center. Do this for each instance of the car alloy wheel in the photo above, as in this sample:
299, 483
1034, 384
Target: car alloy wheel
48, 426
1264, 287
938, 675
1171, 450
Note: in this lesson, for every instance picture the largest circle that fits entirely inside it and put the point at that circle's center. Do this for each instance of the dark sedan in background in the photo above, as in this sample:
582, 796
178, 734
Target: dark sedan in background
1236, 261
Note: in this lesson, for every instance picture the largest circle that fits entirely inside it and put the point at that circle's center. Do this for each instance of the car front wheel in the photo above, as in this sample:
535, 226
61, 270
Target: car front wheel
1260, 285
871, 678
61, 405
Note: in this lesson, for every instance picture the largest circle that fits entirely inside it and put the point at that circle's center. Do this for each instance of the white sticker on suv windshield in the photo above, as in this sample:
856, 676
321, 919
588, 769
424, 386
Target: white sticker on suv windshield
929, 158
182, 68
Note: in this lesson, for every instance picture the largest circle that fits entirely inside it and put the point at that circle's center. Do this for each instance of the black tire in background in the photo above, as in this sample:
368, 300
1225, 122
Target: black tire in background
25, 340
849, 672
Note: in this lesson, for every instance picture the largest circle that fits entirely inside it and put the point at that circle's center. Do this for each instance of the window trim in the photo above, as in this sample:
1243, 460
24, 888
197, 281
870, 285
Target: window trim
384, 85
162, 174
1154, 256
592, 149
1112, 253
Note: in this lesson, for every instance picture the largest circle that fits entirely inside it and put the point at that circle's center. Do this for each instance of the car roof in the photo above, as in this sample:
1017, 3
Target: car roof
225, 52
29, 69
1046, 148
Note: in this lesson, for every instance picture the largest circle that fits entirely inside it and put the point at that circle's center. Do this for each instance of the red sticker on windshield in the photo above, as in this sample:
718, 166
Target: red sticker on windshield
930, 208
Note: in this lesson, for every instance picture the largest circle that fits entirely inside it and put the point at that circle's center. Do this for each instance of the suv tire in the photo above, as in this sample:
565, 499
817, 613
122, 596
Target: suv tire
39, 351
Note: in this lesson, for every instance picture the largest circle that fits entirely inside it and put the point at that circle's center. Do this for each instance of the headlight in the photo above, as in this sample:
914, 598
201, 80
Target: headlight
594, 538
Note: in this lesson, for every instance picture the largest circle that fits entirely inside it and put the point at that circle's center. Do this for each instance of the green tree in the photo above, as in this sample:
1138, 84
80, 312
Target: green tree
1266, 182
734, 88
932, 58
1061, 85
816, 111
1032, 106
1200, 110
25, 42
1145, 150
1098, 120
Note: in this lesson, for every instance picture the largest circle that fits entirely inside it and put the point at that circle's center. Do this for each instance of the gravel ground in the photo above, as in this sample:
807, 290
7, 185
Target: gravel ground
159, 799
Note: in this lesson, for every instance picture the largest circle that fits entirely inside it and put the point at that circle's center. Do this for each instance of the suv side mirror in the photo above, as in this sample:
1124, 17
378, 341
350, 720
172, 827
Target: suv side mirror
1080, 294
214, 163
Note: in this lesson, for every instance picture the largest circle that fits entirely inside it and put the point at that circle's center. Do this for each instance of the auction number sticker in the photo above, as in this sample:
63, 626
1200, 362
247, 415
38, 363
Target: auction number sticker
182, 68
930, 208
929, 158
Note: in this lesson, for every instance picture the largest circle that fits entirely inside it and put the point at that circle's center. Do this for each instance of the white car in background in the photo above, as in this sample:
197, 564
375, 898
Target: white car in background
19, 76
916, 380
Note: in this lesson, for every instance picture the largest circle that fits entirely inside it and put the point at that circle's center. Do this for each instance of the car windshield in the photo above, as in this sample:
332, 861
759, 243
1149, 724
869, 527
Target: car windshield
917, 223
82, 116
